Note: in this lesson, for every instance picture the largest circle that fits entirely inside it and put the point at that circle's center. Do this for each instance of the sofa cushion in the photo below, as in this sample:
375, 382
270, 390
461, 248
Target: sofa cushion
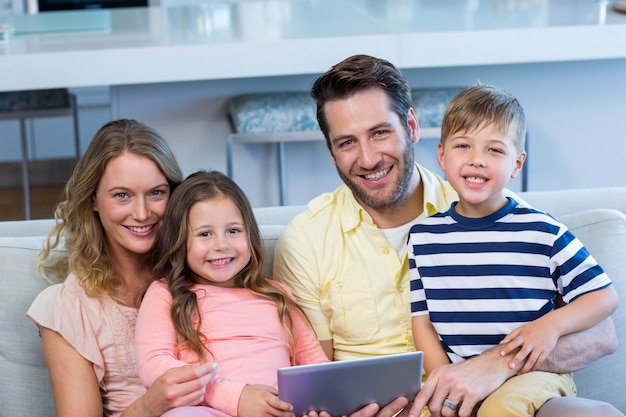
24, 379
270, 234
273, 112
603, 232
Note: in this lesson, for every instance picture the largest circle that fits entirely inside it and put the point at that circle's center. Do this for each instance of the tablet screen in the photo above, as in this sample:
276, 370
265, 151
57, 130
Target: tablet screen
343, 387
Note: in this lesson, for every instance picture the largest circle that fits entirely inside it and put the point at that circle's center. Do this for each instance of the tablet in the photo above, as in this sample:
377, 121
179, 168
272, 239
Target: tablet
343, 387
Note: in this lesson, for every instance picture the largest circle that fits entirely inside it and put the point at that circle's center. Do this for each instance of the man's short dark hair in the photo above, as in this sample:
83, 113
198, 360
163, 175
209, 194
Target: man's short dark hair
358, 73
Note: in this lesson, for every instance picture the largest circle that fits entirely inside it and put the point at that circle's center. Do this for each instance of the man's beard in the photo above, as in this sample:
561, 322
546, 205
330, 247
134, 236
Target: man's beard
400, 188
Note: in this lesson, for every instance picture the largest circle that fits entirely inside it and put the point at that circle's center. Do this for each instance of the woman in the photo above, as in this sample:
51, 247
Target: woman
110, 212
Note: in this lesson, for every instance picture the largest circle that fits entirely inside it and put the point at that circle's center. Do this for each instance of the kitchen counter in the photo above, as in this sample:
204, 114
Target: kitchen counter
248, 39
175, 68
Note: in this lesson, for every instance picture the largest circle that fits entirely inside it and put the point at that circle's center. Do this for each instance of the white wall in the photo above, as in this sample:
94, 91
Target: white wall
575, 113
11, 6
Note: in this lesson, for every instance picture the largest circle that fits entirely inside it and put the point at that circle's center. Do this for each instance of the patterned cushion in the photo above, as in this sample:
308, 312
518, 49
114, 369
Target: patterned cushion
430, 104
273, 112
293, 112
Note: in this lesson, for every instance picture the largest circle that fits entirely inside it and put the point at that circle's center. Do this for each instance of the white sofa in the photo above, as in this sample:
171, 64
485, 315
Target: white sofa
596, 216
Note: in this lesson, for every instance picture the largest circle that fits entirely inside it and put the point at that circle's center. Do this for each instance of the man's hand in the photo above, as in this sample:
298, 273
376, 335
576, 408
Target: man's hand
390, 410
464, 384
373, 410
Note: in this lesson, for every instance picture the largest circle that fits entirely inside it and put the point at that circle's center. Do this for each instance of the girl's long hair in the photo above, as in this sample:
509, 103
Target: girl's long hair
170, 258
77, 226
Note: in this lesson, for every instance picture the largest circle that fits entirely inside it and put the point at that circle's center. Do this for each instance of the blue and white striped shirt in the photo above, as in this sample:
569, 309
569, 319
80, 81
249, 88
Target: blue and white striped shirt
479, 279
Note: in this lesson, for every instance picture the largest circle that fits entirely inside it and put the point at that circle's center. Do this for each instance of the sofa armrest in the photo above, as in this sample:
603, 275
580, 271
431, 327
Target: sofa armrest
603, 232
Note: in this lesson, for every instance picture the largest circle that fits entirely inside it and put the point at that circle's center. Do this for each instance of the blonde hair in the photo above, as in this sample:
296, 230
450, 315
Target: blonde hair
170, 258
481, 105
86, 253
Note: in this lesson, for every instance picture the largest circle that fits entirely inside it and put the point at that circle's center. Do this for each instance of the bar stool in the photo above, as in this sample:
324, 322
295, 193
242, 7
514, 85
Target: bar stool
291, 117
33, 104
272, 118
430, 105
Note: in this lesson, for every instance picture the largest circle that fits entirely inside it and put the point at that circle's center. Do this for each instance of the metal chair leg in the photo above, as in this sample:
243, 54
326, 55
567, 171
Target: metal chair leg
229, 157
281, 174
75, 123
25, 170
525, 168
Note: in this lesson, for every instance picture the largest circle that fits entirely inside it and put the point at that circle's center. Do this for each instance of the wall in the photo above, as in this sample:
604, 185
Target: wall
575, 113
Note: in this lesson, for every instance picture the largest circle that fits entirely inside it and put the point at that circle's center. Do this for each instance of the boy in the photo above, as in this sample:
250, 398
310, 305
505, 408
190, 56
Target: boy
486, 272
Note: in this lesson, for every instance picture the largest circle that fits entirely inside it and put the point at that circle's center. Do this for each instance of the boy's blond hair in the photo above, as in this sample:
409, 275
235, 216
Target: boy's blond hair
481, 105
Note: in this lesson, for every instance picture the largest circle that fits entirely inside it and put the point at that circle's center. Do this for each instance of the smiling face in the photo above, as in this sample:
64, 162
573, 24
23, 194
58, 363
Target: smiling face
478, 165
217, 244
130, 200
371, 148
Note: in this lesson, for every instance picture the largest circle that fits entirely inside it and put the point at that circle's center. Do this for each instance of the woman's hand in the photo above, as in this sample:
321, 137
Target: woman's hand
177, 387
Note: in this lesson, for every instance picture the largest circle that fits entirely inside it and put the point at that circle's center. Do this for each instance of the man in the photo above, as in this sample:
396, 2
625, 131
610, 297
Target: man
345, 257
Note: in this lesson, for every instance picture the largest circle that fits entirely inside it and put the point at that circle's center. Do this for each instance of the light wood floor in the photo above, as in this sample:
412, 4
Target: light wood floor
43, 201
47, 179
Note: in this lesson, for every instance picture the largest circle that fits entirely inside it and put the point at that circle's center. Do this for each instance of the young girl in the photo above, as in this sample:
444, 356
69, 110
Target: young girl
213, 304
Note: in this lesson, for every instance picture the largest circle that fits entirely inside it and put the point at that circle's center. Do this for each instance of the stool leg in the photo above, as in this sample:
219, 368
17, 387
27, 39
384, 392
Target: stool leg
525, 168
281, 174
25, 170
75, 122
229, 157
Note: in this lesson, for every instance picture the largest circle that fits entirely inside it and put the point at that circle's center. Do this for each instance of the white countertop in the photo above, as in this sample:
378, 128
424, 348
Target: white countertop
250, 38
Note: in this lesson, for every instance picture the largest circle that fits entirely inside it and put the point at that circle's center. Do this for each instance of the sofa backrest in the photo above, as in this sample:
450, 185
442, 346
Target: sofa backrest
24, 384
562, 202
19, 228
603, 232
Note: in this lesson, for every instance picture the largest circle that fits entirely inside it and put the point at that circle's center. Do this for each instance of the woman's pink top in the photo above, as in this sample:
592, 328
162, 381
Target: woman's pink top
102, 331
244, 335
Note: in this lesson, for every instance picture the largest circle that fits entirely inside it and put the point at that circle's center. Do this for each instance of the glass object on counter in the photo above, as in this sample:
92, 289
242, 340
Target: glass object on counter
49, 5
